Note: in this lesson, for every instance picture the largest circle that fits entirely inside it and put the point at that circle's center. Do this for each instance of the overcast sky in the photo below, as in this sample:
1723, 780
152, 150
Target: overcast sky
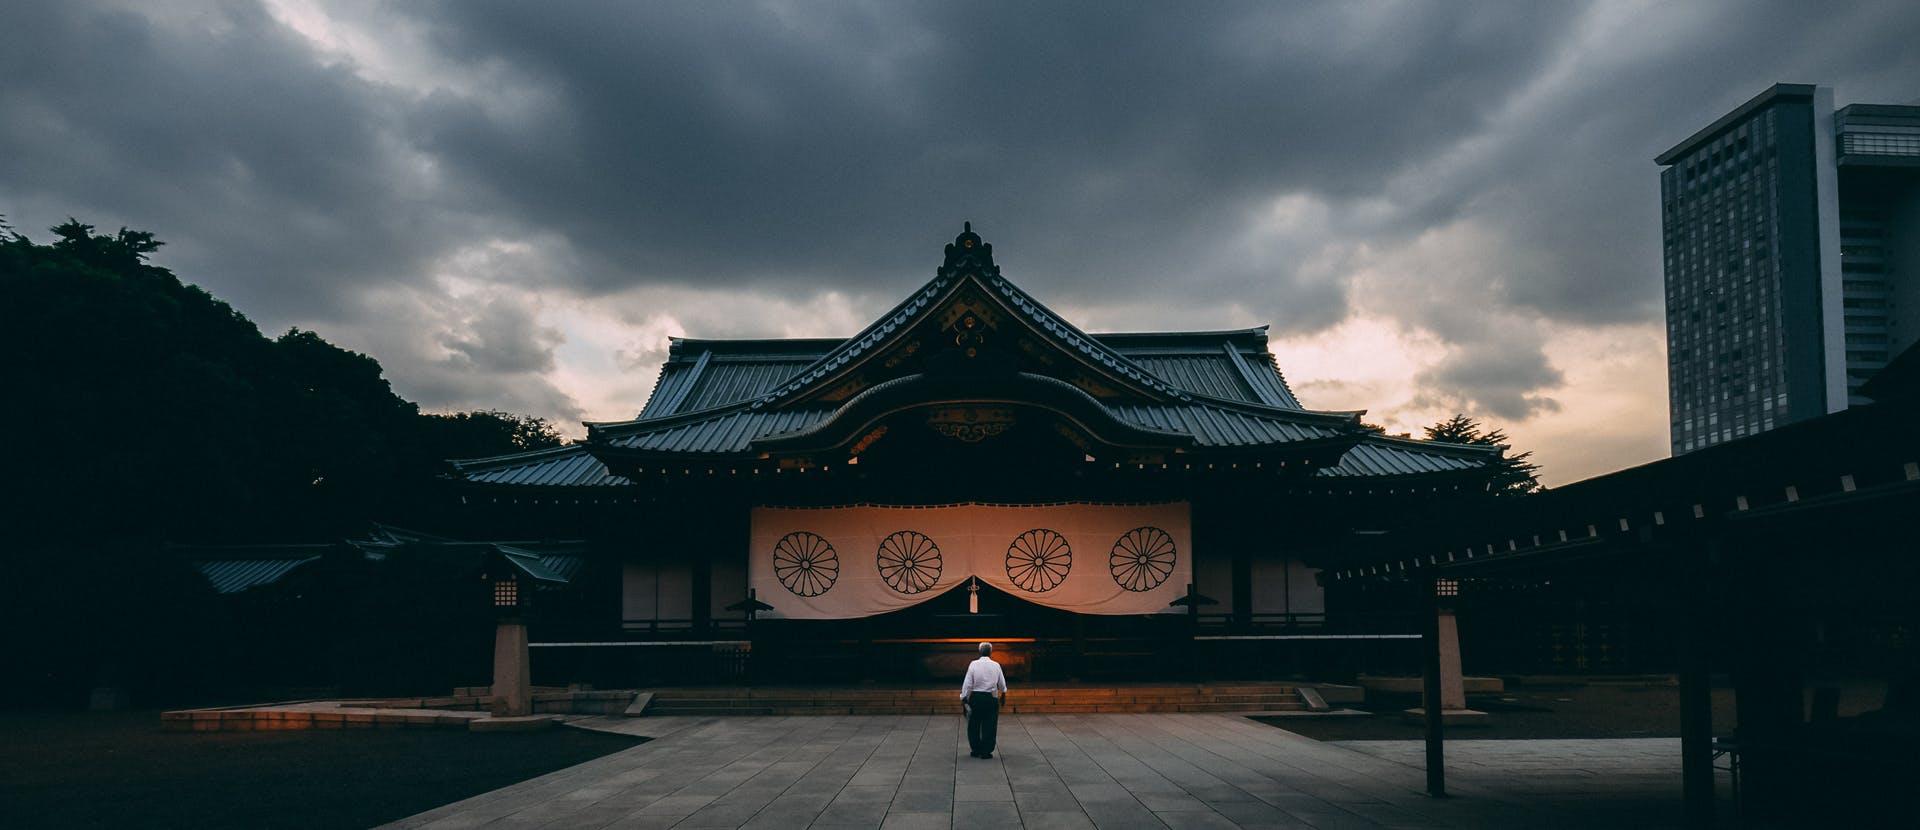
512, 205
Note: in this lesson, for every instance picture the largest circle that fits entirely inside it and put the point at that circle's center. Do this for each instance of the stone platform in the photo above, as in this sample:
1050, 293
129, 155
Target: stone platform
1069, 772
945, 700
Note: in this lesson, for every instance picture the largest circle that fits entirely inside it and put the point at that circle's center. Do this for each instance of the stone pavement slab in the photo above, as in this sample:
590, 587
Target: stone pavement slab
1070, 772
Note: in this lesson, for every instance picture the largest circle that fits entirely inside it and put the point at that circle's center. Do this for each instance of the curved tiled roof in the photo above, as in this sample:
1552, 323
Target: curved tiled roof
1207, 422
1381, 455
1219, 426
1087, 345
901, 316
568, 466
1217, 389
969, 259
710, 374
727, 431
231, 576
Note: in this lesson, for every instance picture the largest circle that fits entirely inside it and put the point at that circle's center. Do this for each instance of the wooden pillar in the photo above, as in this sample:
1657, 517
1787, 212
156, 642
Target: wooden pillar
1193, 630
1432, 696
713, 531
1696, 693
1242, 584
702, 580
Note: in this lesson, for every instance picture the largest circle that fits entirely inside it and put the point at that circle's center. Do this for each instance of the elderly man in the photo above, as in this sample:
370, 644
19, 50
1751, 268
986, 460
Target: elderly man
981, 693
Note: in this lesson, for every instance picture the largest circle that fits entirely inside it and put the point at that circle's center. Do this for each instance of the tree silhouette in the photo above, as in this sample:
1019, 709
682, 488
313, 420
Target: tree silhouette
147, 411
1515, 475
160, 412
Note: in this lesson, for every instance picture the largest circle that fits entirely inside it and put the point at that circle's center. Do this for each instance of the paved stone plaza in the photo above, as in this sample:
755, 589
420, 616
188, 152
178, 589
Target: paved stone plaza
1057, 772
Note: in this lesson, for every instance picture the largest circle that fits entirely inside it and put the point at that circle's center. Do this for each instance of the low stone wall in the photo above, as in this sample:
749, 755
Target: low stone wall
259, 719
609, 702
549, 700
457, 711
457, 702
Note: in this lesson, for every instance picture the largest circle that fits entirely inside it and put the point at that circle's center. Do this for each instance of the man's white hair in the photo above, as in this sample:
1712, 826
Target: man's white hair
986, 649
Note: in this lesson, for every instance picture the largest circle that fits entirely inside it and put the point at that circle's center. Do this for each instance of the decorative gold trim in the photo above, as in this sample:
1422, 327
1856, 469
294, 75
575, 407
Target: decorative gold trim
971, 424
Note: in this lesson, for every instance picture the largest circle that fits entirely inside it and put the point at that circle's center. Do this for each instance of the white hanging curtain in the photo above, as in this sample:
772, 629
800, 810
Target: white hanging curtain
845, 562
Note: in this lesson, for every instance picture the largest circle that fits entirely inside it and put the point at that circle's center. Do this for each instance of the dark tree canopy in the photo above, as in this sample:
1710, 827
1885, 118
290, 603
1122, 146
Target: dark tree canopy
157, 411
485, 432
1516, 474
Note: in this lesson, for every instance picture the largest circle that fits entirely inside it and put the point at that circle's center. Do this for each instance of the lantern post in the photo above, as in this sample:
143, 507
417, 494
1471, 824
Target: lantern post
512, 689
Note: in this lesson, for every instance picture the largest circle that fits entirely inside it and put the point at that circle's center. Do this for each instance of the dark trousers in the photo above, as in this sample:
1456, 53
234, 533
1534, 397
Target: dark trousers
983, 723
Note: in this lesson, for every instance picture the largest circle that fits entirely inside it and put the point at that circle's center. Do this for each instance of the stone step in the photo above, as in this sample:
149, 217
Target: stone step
949, 709
931, 695
1227, 697
941, 689
664, 704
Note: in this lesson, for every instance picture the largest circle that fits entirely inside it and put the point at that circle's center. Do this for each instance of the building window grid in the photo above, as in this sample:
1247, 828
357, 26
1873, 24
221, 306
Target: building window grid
1880, 144
1714, 367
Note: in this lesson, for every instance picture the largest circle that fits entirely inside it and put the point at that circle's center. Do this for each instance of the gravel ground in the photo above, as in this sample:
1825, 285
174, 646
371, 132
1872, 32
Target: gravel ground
1590, 711
117, 769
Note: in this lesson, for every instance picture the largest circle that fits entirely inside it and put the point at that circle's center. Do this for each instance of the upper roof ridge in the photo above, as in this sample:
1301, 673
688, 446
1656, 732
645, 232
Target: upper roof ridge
970, 258
968, 249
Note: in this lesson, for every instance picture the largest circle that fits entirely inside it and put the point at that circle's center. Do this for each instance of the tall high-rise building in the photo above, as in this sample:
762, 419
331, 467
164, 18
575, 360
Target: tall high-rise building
1792, 259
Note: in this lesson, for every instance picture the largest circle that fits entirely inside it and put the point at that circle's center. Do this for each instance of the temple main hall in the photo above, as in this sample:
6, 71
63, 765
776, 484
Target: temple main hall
971, 466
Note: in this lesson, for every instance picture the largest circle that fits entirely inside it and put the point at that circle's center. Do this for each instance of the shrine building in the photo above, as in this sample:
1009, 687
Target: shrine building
971, 466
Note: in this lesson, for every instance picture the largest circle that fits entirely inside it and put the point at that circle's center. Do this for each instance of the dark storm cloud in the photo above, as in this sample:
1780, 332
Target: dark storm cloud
1186, 157
1499, 377
1103, 147
272, 175
503, 337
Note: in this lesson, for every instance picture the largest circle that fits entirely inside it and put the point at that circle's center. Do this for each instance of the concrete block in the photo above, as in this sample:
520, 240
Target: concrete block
1311, 697
1336, 694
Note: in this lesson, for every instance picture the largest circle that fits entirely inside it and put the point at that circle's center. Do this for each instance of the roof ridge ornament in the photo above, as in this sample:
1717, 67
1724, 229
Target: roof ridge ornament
968, 249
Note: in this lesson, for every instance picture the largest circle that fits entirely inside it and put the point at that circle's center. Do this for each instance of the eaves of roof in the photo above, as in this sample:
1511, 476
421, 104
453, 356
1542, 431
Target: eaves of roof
910, 391
1254, 338
572, 466
727, 430
1386, 456
231, 576
1086, 345
1206, 421
1232, 364
532, 564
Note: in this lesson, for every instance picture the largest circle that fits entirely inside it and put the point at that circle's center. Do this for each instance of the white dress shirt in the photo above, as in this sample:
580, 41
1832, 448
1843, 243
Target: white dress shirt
984, 675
